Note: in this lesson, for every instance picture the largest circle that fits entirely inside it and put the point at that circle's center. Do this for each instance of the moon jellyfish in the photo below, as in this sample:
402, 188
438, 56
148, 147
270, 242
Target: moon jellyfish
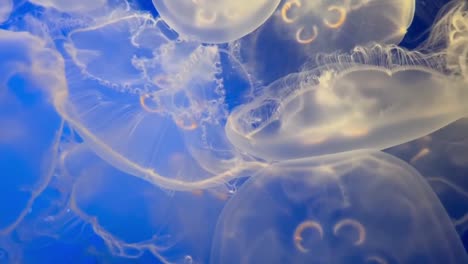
442, 158
5, 10
361, 207
29, 126
376, 98
457, 54
70, 5
449, 36
134, 217
215, 21
150, 109
303, 28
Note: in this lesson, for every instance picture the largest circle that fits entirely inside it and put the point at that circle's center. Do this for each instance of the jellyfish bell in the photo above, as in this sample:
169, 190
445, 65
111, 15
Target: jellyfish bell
169, 225
211, 21
154, 108
442, 159
329, 210
350, 105
30, 127
303, 28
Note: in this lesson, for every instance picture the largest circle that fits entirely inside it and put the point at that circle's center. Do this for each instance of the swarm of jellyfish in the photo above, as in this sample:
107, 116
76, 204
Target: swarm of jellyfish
263, 131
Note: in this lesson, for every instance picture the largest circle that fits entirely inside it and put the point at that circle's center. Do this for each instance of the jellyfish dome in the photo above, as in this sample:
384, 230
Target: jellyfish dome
30, 128
368, 100
212, 21
171, 226
442, 159
301, 29
155, 110
363, 207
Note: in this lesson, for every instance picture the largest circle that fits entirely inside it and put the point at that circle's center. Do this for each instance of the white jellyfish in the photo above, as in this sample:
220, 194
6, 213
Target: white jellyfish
211, 21
375, 98
457, 53
360, 207
442, 159
300, 29
133, 216
30, 128
154, 111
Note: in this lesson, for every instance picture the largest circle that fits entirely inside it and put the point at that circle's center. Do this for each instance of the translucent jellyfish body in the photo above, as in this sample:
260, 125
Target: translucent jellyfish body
356, 208
29, 126
351, 104
442, 159
215, 21
134, 217
154, 110
457, 50
300, 29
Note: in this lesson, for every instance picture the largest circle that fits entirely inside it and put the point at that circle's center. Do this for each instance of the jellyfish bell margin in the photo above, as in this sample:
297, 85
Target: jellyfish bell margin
329, 210
370, 99
214, 22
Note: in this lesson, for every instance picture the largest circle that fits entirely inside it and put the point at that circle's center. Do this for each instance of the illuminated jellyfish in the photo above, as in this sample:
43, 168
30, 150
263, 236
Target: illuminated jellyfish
160, 102
442, 158
302, 28
375, 98
215, 21
5, 10
132, 216
449, 35
457, 52
360, 207
70, 5
30, 127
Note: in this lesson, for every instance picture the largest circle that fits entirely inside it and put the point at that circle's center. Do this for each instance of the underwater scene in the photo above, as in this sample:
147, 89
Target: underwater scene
234, 131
